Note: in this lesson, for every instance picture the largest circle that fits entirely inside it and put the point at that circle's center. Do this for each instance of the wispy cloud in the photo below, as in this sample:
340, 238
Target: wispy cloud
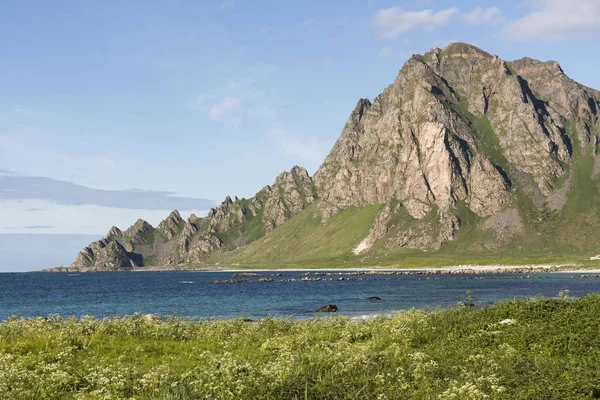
225, 4
385, 52
238, 99
30, 150
317, 61
309, 149
392, 22
15, 187
29, 227
23, 111
557, 20
200, 101
265, 28
223, 107
480, 16
310, 25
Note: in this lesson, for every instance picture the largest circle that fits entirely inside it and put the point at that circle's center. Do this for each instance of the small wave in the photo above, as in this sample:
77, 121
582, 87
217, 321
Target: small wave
366, 317
186, 282
72, 274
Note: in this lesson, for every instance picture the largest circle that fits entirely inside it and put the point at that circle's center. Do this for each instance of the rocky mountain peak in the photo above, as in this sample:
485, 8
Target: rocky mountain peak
463, 50
566, 99
193, 219
359, 110
528, 66
172, 225
138, 228
114, 232
175, 216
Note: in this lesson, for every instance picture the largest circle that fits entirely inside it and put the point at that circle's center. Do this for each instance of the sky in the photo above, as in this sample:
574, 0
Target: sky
112, 111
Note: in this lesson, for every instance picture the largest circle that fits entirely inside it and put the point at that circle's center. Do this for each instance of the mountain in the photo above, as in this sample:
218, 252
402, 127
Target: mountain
463, 154
234, 223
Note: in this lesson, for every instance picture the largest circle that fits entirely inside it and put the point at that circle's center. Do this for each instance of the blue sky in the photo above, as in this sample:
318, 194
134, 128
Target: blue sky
190, 101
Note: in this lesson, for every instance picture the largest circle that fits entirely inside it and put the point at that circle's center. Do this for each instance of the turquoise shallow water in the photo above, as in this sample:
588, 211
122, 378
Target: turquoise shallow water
198, 294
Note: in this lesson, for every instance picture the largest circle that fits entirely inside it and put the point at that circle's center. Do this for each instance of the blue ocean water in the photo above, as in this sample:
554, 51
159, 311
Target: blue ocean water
213, 295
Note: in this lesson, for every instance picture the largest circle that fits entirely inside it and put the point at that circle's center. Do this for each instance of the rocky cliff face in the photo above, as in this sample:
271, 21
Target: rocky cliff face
459, 132
458, 125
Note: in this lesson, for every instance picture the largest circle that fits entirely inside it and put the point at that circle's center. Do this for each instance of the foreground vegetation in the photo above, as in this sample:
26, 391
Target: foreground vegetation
537, 349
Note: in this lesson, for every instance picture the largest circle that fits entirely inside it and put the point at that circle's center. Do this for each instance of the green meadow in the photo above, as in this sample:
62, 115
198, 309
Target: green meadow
520, 349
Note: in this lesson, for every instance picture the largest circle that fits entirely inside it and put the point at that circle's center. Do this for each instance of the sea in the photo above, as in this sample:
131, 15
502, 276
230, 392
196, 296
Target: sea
287, 294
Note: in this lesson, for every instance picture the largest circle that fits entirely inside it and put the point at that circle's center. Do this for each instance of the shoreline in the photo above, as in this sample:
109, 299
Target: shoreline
448, 270
575, 268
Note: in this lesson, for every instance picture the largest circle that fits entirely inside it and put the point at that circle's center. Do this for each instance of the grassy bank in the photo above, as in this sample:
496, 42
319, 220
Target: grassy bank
305, 240
549, 349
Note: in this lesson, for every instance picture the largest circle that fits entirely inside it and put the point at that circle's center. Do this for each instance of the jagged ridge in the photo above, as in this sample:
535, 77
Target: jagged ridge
232, 224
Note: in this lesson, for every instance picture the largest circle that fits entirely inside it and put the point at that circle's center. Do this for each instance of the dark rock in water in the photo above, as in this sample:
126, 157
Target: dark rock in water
374, 298
327, 308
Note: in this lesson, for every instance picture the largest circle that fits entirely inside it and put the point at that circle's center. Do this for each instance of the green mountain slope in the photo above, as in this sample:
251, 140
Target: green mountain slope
305, 240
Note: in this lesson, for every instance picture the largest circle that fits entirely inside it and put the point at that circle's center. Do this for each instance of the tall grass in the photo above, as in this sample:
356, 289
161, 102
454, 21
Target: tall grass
541, 349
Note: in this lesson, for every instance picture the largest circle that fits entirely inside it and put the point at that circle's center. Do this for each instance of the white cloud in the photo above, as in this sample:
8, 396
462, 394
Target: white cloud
192, 35
557, 20
199, 102
239, 99
310, 25
317, 62
393, 22
385, 52
310, 149
481, 16
23, 111
225, 4
223, 108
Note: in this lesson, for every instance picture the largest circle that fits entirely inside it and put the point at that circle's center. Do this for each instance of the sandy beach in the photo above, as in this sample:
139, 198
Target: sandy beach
494, 269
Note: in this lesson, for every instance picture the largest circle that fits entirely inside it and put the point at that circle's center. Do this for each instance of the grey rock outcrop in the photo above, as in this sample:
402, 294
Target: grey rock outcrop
172, 225
105, 255
564, 96
271, 207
